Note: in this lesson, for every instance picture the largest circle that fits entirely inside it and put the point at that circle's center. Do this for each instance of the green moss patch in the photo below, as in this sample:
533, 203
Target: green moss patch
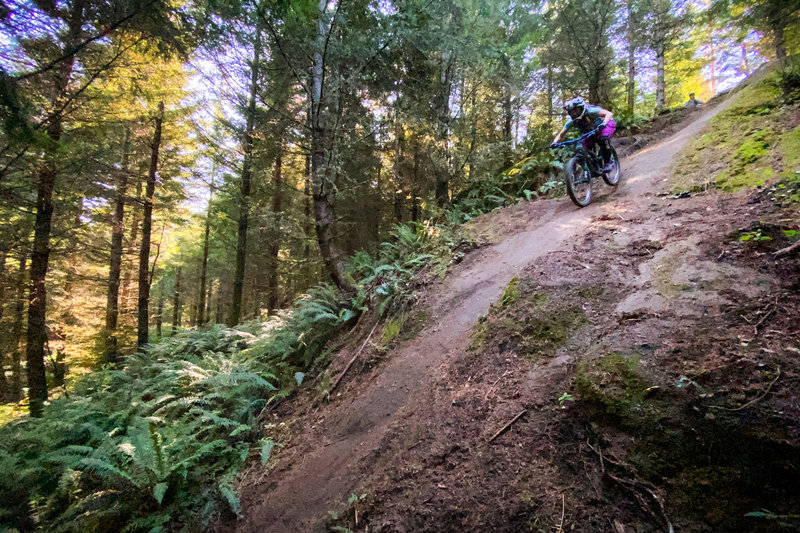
610, 387
510, 293
404, 326
741, 145
528, 320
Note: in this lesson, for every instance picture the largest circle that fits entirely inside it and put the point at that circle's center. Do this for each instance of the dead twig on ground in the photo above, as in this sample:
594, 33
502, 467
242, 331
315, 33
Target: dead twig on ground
633, 484
502, 429
763, 318
787, 250
339, 379
560, 527
754, 400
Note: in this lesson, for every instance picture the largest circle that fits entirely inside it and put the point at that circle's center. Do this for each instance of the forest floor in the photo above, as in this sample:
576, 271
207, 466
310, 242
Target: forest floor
629, 366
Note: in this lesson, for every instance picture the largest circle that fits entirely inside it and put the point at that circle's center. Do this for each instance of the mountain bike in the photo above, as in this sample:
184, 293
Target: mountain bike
585, 165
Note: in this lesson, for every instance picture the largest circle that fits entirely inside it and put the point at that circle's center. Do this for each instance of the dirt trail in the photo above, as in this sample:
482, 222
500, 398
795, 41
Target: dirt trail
347, 435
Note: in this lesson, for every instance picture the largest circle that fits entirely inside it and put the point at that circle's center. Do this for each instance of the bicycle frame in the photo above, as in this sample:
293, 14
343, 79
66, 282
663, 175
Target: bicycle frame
592, 159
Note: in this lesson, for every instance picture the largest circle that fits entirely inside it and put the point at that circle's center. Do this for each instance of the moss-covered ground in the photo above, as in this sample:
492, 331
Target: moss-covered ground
752, 143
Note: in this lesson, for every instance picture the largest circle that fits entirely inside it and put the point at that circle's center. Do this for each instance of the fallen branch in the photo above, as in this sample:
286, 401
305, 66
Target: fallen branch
502, 429
339, 379
632, 484
787, 250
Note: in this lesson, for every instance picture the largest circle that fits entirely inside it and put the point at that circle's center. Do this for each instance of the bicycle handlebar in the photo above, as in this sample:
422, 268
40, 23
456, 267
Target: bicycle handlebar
579, 139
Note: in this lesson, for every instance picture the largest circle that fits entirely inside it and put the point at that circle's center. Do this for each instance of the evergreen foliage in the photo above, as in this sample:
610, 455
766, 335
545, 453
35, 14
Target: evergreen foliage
158, 443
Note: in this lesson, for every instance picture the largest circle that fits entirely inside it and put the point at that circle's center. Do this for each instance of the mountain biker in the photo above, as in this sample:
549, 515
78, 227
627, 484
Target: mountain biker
586, 118
692, 102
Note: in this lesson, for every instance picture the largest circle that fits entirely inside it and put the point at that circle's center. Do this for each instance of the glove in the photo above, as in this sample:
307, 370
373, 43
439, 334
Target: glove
553, 145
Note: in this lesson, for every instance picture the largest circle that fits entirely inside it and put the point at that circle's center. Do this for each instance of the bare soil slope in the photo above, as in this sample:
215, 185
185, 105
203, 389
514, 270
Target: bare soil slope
596, 305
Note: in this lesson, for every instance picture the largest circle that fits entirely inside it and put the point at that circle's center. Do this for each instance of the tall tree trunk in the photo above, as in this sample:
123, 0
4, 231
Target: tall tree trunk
143, 309
322, 186
778, 26
176, 303
16, 330
275, 243
309, 221
115, 266
244, 192
201, 306
160, 315
210, 292
218, 313
442, 190
416, 213
399, 136
4, 391
473, 133
37, 296
550, 95
661, 99
631, 38
126, 284
508, 114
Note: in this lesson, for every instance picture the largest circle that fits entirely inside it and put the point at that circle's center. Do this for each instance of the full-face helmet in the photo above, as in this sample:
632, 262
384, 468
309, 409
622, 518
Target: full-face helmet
576, 108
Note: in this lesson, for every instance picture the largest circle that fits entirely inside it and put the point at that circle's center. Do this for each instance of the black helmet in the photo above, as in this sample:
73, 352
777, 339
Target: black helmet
576, 108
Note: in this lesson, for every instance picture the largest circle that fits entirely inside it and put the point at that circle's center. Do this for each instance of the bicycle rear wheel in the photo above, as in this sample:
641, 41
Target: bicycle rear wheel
612, 178
579, 181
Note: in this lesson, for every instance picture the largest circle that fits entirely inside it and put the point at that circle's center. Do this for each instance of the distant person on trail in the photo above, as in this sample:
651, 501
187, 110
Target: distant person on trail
586, 118
692, 102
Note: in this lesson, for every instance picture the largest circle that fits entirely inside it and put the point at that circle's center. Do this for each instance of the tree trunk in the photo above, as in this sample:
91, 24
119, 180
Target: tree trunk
550, 92
274, 246
416, 213
778, 25
19, 316
4, 391
37, 296
176, 303
126, 284
207, 312
244, 192
442, 190
201, 306
631, 38
218, 313
115, 266
160, 315
322, 186
508, 114
143, 309
399, 135
661, 101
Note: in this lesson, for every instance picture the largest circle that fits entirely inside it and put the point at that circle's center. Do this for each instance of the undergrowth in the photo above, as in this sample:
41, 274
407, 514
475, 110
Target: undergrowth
157, 444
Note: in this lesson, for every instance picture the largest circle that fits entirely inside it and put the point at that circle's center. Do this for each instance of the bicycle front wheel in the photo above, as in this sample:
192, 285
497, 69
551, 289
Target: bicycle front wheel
612, 178
579, 181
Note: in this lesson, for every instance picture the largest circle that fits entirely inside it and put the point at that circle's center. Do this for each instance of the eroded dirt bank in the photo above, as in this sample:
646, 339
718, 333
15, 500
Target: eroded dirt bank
640, 319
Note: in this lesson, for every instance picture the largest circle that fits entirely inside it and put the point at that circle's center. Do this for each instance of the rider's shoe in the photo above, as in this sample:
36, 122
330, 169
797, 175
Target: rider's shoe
608, 168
